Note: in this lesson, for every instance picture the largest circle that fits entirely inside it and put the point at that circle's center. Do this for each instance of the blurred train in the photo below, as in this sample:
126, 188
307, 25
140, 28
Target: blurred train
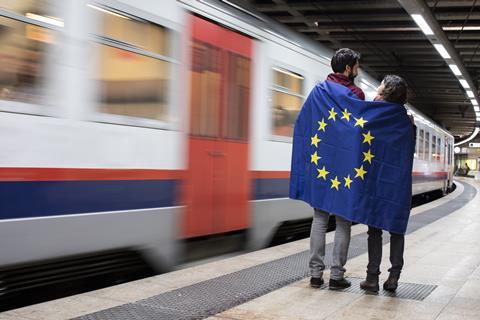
148, 124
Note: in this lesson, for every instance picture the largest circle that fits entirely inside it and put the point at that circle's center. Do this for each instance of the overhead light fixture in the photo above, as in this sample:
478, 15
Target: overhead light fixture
474, 134
45, 19
477, 109
441, 49
455, 69
464, 83
458, 28
470, 94
474, 102
422, 24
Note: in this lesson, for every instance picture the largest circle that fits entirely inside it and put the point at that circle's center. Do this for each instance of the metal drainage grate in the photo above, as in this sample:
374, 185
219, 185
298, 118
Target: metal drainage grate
207, 298
411, 291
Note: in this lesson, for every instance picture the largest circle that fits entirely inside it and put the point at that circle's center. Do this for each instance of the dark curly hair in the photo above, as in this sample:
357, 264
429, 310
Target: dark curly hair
342, 58
395, 89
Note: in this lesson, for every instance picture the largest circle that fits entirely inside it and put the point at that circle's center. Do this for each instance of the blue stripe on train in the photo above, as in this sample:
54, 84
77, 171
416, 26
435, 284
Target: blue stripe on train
270, 188
46, 198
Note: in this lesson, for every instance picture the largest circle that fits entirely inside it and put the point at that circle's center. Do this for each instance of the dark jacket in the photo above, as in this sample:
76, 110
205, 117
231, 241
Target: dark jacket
345, 81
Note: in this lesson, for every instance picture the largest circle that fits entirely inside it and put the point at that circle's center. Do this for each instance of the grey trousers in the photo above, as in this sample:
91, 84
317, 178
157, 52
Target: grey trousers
317, 245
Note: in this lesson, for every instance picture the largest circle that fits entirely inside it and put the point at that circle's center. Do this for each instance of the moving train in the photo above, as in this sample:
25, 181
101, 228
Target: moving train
146, 125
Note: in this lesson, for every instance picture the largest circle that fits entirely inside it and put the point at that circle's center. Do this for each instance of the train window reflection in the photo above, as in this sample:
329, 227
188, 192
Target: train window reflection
134, 71
434, 148
238, 97
132, 84
427, 145
132, 30
22, 63
287, 100
421, 150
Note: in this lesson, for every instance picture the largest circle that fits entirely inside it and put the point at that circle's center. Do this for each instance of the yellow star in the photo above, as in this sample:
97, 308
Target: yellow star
315, 141
348, 181
368, 156
360, 122
322, 125
315, 158
346, 115
360, 172
332, 114
335, 183
322, 173
367, 138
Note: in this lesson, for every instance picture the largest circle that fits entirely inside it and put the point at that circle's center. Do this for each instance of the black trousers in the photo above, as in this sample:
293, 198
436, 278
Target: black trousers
397, 244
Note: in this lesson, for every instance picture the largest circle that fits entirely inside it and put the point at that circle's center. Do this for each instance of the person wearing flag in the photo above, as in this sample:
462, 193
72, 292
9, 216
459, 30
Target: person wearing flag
352, 159
344, 63
392, 89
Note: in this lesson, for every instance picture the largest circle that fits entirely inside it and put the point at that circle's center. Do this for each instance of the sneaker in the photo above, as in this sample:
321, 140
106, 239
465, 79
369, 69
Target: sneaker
339, 284
316, 282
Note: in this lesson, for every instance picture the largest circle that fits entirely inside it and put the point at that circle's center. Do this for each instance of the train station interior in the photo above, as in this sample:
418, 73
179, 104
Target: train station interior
239, 159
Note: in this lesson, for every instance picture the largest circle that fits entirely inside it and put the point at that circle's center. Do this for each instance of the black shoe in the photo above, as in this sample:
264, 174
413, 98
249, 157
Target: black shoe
370, 286
316, 282
392, 283
339, 284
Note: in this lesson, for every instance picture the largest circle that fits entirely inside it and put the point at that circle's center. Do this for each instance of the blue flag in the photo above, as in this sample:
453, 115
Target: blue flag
354, 158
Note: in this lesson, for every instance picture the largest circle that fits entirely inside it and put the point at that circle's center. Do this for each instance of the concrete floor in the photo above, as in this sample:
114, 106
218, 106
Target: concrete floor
445, 253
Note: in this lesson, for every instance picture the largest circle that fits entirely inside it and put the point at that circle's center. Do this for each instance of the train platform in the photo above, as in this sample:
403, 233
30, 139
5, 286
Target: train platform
440, 280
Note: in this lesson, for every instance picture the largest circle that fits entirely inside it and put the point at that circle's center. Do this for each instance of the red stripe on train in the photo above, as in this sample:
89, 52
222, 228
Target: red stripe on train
69, 174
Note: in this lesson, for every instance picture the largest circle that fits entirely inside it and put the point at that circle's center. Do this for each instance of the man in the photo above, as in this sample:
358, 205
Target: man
344, 64
392, 89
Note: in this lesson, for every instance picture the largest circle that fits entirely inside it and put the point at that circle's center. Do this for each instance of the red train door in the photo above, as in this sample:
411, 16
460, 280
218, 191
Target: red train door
217, 185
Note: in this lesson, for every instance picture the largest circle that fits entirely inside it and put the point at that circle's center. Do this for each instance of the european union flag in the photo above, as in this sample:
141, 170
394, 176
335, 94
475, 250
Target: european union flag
354, 158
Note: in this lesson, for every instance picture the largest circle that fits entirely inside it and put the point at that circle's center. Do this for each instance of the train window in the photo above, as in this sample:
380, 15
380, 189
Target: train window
449, 154
421, 150
434, 148
135, 67
238, 93
427, 146
26, 39
439, 148
206, 89
287, 100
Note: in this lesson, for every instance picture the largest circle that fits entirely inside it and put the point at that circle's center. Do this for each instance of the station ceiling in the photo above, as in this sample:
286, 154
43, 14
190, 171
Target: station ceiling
391, 42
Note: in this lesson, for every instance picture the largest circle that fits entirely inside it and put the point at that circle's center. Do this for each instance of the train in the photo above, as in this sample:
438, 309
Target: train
150, 124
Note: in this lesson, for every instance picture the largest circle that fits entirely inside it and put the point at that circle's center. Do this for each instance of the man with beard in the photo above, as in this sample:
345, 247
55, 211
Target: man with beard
345, 67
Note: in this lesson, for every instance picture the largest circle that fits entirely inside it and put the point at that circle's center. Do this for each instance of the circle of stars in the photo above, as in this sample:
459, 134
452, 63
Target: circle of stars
360, 172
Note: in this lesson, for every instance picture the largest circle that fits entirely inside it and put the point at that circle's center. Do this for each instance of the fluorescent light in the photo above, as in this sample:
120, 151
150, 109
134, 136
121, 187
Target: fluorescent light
441, 49
458, 28
474, 134
50, 20
470, 94
476, 108
455, 69
107, 11
474, 102
464, 83
422, 24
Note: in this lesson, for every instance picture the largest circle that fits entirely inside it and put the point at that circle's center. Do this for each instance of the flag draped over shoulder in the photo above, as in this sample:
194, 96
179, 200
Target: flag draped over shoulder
353, 158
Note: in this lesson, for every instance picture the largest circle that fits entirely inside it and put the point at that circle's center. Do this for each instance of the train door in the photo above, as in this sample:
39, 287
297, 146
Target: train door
217, 182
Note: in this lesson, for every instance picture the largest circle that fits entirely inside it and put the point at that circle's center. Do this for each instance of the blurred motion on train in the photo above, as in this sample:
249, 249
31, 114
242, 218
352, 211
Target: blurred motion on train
147, 125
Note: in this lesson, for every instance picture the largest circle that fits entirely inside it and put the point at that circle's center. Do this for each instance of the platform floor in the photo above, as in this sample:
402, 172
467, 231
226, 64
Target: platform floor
442, 256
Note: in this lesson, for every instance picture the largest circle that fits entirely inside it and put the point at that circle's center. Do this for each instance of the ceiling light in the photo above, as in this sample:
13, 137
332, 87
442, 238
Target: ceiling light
477, 109
474, 102
50, 20
464, 83
422, 24
470, 94
441, 49
458, 28
455, 69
